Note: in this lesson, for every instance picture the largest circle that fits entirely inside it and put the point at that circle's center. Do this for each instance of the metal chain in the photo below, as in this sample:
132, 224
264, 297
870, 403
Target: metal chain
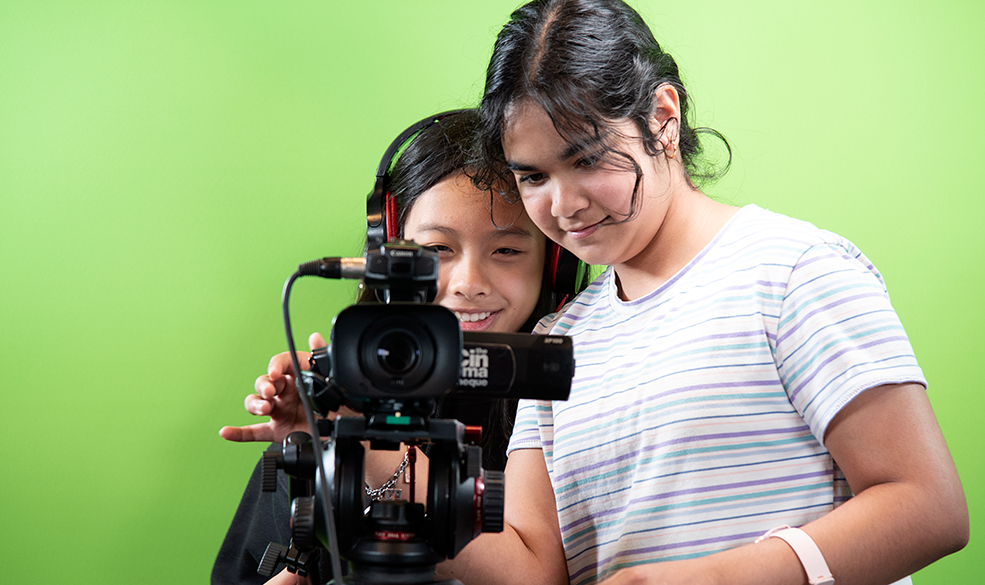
378, 494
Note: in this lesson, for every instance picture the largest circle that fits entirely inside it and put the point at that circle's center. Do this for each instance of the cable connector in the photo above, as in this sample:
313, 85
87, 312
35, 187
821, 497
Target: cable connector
336, 268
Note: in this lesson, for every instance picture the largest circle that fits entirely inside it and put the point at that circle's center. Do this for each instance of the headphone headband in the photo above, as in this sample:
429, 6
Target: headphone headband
381, 209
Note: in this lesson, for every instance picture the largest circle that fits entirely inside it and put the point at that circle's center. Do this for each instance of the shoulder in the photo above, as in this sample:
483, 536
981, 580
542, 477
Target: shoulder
583, 307
755, 224
765, 237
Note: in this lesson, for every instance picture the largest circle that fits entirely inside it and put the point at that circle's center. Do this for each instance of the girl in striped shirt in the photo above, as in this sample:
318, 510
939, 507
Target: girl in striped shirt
736, 370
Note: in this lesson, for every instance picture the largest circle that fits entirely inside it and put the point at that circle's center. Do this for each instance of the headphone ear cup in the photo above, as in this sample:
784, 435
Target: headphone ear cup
564, 271
391, 216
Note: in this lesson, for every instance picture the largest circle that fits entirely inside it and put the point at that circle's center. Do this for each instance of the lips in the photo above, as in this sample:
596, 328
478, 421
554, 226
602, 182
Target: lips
583, 232
472, 317
479, 321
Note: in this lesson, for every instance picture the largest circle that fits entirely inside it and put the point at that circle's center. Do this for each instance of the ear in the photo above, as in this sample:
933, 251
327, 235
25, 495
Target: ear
666, 120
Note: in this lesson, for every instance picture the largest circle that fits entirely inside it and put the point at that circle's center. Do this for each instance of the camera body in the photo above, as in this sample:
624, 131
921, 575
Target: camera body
406, 353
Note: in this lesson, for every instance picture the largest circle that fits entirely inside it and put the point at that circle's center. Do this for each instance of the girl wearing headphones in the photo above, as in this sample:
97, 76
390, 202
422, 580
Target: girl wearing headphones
492, 276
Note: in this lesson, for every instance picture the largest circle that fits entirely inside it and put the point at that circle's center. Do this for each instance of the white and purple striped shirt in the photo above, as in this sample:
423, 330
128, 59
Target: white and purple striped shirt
697, 413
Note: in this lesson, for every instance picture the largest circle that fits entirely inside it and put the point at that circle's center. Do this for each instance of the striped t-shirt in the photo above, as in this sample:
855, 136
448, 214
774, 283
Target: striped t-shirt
697, 412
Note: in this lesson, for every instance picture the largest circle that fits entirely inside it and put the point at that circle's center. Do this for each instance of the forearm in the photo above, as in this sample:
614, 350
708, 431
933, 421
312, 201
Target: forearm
909, 509
506, 559
879, 536
529, 550
890, 531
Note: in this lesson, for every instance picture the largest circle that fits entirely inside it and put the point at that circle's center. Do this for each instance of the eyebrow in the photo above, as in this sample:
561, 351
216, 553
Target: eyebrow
513, 230
572, 150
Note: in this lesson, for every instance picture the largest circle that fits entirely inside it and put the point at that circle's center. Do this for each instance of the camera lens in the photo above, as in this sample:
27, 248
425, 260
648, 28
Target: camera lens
396, 350
398, 353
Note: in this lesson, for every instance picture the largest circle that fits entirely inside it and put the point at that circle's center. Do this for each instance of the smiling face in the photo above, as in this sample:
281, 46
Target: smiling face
489, 276
579, 200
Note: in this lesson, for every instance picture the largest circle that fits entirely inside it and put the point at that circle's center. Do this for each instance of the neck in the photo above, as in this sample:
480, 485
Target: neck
691, 222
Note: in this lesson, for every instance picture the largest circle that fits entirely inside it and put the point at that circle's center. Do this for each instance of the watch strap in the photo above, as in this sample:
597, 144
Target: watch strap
806, 549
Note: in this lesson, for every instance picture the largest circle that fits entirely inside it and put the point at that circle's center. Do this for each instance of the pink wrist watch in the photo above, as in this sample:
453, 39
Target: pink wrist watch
806, 549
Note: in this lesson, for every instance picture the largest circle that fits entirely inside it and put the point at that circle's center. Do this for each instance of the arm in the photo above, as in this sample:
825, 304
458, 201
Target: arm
529, 549
909, 509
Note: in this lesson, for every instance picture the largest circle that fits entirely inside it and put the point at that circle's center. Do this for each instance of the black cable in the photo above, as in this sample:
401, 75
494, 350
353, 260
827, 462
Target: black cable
327, 509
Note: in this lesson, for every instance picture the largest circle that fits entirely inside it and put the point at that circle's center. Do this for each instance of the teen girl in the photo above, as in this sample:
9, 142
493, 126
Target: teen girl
737, 370
492, 268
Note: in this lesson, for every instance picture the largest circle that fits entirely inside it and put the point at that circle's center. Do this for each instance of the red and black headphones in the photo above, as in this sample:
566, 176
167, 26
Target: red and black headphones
562, 269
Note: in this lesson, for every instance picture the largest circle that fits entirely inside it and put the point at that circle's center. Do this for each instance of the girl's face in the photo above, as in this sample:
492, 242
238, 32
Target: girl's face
489, 276
578, 200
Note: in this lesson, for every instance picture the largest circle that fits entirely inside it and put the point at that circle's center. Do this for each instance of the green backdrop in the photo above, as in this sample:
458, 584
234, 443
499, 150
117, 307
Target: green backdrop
164, 166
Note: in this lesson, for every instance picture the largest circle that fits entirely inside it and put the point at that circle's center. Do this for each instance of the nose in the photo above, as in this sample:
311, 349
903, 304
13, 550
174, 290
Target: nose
567, 199
467, 278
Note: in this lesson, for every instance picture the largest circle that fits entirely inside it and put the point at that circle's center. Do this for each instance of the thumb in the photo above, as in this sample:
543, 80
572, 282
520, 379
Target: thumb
315, 340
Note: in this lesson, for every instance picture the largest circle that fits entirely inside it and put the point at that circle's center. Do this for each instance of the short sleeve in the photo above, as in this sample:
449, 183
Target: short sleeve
838, 334
530, 418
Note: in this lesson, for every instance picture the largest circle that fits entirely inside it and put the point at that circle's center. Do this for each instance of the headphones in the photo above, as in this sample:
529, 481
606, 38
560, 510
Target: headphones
563, 271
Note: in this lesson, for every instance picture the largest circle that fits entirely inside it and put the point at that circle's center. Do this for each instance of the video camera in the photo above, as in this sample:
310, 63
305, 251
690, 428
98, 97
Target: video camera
391, 362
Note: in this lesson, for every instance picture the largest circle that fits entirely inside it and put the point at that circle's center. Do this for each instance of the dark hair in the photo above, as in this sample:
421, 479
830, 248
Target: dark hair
587, 63
433, 154
439, 151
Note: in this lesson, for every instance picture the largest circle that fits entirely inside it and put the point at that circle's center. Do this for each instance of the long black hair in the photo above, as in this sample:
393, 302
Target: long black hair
437, 152
440, 150
588, 64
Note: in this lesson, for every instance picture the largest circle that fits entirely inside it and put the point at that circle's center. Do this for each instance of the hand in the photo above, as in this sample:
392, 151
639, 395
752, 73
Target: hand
286, 577
277, 397
688, 572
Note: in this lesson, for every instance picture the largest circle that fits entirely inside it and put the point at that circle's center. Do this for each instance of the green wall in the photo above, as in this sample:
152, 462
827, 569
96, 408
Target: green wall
164, 166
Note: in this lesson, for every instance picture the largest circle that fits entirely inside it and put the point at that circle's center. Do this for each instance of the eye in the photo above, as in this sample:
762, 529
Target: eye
531, 179
508, 252
589, 161
439, 248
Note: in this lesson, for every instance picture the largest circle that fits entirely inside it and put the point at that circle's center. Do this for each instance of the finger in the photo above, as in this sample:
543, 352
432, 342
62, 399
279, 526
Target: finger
315, 341
257, 405
257, 432
280, 365
285, 577
269, 389
263, 385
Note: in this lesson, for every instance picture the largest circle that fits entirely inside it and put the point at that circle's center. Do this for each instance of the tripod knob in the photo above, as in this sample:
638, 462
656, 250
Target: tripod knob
273, 556
303, 523
297, 562
493, 500
268, 466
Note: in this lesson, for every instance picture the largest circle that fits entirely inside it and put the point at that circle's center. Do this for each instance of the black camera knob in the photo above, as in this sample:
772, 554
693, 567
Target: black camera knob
273, 556
303, 523
268, 465
493, 500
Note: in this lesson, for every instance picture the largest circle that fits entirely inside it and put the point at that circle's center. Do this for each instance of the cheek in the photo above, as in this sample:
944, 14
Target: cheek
522, 288
444, 270
538, 208
612, 190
